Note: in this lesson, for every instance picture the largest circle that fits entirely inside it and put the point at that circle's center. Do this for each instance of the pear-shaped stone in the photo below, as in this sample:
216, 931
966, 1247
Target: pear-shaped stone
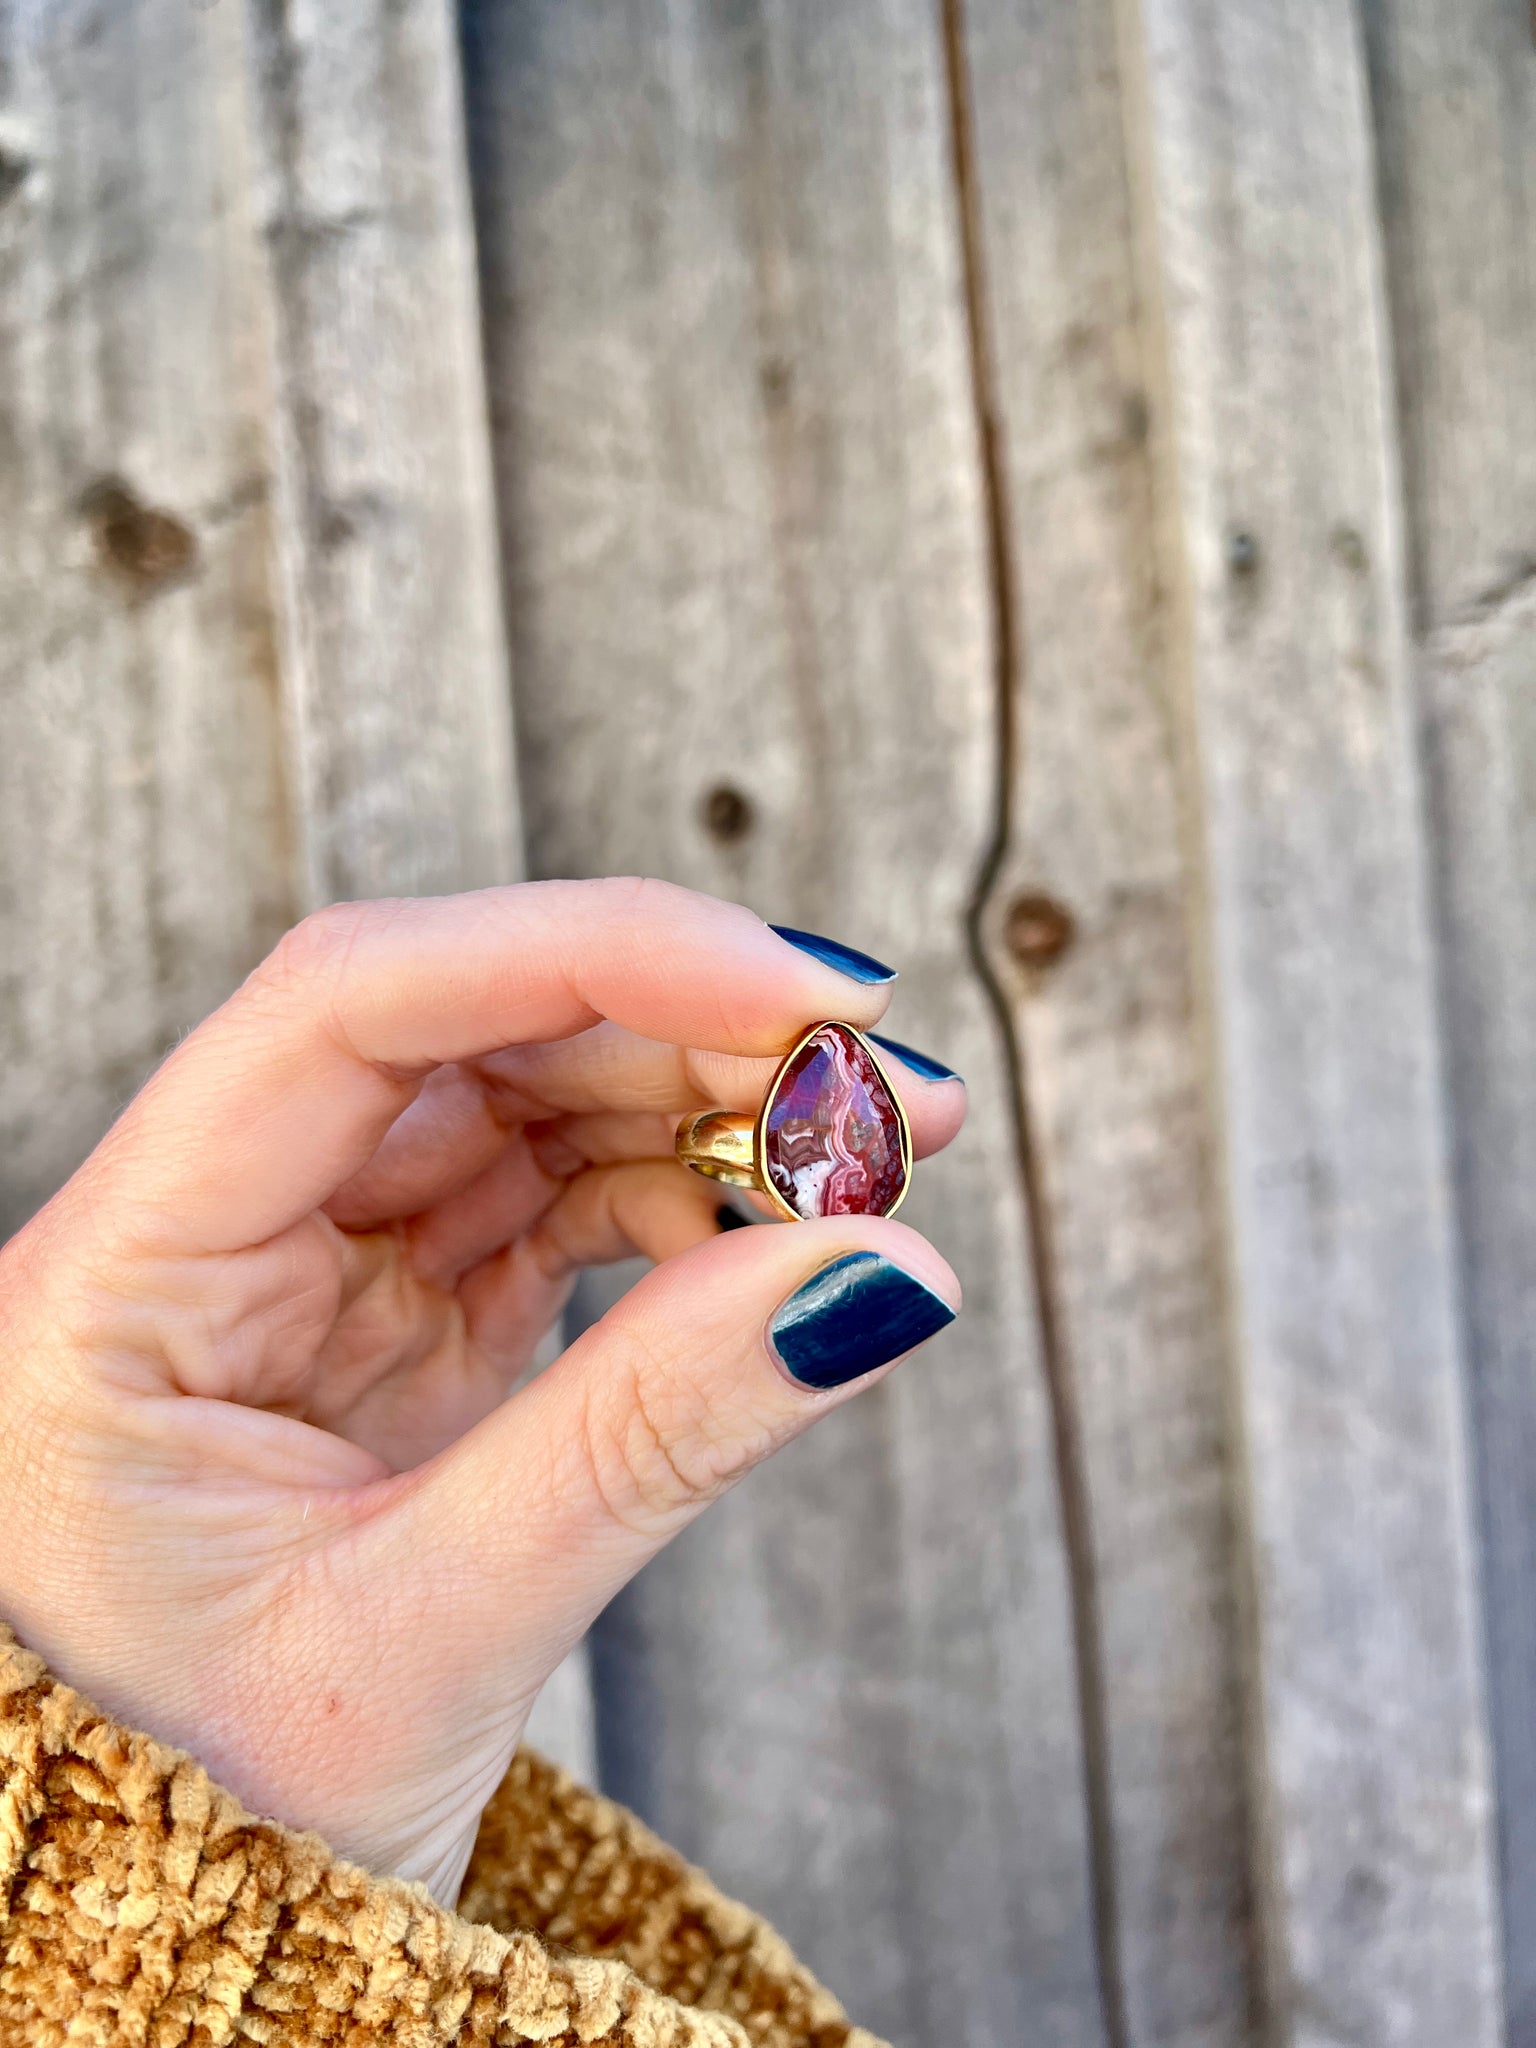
833, 1139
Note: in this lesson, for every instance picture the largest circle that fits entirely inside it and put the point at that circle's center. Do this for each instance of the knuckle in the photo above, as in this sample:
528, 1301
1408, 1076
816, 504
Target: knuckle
318, 947
632, 890
650, 1455
314, 966
642, 898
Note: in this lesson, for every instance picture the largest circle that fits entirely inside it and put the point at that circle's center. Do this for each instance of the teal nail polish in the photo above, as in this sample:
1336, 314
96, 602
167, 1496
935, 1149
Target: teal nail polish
857, 966
919, 1062
857, 1313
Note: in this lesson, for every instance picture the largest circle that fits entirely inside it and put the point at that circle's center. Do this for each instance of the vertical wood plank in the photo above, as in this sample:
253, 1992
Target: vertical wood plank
1455, 95
188, 402
145, 856
1251, 132
1112, 1050
249, 609
394, 647
746, 553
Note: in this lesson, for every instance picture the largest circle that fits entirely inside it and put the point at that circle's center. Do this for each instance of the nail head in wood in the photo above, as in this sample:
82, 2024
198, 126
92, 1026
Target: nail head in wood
1349, 550
14, 173
1242, 552
777, 378
728, 815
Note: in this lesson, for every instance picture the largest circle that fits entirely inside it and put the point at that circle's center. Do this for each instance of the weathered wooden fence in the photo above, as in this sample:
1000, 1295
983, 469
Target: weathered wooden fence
1045, 490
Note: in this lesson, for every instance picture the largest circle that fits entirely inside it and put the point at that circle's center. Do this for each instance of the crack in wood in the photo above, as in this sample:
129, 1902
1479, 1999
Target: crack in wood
1497, 616
1499, 600
1066, 1428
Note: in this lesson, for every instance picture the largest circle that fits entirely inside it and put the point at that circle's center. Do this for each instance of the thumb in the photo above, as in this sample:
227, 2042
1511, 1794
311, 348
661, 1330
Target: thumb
531, 1523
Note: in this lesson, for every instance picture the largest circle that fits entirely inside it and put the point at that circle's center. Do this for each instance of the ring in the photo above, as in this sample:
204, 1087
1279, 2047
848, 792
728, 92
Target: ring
831, 1138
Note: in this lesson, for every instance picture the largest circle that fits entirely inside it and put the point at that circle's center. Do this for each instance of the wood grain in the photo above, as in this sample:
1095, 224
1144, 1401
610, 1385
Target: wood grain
1262, 260
746, 551
146, 856
1112, 1053
250, 588
249, 600
1455, 95
1106, 508
394, 649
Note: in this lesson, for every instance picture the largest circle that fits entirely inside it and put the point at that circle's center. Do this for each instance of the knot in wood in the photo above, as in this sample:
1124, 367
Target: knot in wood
1037, 929
142, 544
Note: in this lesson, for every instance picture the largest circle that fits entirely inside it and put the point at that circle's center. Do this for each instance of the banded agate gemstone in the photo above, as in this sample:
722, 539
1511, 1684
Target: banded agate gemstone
832, 1139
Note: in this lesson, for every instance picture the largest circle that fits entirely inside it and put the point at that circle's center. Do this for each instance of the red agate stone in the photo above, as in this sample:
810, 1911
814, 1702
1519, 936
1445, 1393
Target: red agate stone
832, 1143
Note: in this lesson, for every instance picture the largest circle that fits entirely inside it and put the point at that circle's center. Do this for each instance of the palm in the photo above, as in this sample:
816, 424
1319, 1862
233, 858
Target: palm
385, 1359
416, 1297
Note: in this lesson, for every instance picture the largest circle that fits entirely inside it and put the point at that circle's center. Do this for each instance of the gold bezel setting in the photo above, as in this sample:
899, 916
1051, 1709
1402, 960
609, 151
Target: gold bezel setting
711, 1141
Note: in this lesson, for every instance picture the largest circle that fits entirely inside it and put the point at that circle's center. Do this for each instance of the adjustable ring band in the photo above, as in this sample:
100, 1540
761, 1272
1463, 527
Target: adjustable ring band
831, 1138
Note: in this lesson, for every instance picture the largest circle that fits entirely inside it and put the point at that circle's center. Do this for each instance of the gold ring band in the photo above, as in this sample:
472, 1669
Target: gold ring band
721, 1143
831, 1137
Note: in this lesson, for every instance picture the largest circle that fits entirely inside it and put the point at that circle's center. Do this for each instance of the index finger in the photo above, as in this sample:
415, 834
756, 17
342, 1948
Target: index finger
286, 1090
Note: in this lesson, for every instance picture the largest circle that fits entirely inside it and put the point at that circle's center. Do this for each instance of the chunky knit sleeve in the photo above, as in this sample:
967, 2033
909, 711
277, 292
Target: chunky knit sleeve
141, 1905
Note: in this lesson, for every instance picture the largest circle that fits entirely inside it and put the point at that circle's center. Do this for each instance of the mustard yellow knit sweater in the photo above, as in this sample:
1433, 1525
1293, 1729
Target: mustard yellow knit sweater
141, 1904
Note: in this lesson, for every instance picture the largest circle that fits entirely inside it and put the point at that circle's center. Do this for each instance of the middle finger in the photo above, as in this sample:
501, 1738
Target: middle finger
607, 1089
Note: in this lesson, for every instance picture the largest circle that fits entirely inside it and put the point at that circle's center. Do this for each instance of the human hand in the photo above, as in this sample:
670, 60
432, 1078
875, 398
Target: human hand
265, 1494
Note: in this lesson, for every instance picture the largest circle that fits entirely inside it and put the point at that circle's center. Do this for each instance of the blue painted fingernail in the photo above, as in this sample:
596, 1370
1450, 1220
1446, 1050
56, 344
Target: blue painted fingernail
858, 966
855, 1314
919, 1062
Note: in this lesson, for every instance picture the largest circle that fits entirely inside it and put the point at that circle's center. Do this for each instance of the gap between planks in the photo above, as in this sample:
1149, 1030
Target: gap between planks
1009, 681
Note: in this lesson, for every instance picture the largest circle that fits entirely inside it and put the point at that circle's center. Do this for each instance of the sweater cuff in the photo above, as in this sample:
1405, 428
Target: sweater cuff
141, 1903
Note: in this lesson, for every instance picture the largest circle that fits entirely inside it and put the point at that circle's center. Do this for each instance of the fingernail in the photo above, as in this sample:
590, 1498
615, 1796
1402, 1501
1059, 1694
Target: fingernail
858, 1313
919, 1062
858, 966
